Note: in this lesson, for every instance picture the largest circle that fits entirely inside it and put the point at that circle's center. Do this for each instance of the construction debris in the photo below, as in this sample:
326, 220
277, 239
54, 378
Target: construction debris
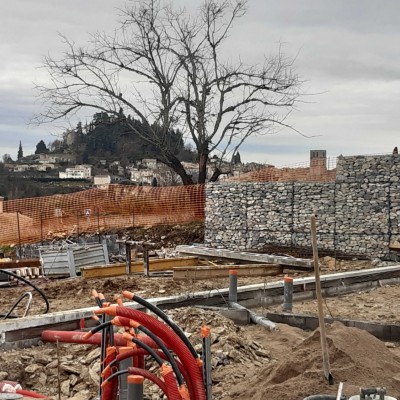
222, 271
208, 252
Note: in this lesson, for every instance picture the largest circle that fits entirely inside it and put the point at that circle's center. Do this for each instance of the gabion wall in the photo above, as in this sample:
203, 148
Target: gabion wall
358, 214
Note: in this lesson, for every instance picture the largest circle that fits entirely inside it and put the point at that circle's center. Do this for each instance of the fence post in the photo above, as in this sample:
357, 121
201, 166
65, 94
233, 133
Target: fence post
19, 237
133, 222
41, 229
98, 224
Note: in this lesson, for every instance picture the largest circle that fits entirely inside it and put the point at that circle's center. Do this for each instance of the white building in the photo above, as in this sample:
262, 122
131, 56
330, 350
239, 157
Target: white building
150, 163
77, 172
43, 167
55, 158
142, 176
21, 167
101, 180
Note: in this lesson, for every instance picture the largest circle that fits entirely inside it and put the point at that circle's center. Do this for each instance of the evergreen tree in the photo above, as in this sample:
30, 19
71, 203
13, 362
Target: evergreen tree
20, 152
236, 158
41, 148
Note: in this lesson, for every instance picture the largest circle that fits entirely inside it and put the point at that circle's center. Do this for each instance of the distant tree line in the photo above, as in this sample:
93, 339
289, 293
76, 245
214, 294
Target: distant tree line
108, 137
104, 137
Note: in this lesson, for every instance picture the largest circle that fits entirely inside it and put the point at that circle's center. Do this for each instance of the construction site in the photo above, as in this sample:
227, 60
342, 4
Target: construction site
278, 284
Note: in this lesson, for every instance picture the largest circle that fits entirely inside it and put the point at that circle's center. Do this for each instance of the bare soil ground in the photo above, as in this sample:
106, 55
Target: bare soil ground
248, 362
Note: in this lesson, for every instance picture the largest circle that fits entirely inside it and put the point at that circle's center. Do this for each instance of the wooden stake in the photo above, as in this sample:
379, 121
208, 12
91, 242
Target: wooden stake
58, 371
325, 354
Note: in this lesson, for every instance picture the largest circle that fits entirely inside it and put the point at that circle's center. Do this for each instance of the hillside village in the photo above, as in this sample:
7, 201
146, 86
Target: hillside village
148, 171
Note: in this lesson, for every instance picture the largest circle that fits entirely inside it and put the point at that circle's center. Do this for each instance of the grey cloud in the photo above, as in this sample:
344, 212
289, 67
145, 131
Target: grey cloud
346, 50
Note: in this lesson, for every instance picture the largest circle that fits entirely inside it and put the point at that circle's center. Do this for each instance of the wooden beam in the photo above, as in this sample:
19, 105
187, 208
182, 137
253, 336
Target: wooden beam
34, 262
157, 264
222, 271
208, 252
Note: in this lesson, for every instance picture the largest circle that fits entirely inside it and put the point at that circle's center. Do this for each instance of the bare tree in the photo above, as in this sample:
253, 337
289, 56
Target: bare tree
166, 68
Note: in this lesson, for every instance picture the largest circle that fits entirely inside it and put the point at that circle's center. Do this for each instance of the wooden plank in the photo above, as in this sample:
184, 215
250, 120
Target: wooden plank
222, 271
207, 252
20, 263
157, 264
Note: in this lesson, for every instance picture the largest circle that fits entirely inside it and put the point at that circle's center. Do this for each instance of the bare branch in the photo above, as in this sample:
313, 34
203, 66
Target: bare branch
165, 67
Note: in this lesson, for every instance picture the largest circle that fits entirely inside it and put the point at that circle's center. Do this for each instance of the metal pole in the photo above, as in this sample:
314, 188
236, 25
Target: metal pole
77, 223
133, 222
287, 294
98, 224
135, 387
232, 286
19, 237
41, 229
146, 263
124, 365
128, 258
206, 354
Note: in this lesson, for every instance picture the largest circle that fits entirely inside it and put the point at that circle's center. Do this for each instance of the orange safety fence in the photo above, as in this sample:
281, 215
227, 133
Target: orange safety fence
32, 220
114, 207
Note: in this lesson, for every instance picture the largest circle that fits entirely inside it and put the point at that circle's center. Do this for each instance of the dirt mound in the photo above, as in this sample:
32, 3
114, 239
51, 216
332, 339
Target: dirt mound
357, 358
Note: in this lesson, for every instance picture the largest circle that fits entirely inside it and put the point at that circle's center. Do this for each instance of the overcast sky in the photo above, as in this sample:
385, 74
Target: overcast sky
346, 52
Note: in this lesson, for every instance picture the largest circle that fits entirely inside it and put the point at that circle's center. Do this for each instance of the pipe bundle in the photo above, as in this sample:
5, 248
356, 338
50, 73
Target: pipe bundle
180, 369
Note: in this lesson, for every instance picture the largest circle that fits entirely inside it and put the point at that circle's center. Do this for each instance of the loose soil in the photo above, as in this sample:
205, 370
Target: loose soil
248, 362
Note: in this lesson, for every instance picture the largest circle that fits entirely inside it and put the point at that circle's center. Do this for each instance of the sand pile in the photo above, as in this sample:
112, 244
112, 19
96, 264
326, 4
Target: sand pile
357, 359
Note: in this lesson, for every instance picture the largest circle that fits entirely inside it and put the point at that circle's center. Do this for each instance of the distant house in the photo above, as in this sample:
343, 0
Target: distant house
150, 163
101, 180
21, 167
56, 158
77, 172
142, 176
43, 167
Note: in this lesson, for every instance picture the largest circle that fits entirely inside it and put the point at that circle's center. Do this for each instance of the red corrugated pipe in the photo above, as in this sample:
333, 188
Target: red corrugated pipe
28, 393
171, 339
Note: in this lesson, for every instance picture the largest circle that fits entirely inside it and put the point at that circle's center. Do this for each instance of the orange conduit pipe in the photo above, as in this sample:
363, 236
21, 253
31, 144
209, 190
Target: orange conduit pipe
179, 370
142, 372
170, 338
163, 316
84, 338
122, 321
78, 338
171, 384
172, 391
126, 322
109, 392
141, 352
28, 393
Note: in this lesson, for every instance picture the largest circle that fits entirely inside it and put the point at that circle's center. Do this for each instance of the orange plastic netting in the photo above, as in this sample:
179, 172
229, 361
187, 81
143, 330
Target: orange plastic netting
96, 210
120, 206
319, 170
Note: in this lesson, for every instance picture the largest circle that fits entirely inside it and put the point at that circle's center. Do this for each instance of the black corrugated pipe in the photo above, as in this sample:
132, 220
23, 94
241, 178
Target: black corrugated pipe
164, 317
3, 271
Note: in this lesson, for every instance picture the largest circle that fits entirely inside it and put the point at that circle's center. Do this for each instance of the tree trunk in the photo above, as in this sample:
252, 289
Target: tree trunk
203, 160
177, 167
216, 174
